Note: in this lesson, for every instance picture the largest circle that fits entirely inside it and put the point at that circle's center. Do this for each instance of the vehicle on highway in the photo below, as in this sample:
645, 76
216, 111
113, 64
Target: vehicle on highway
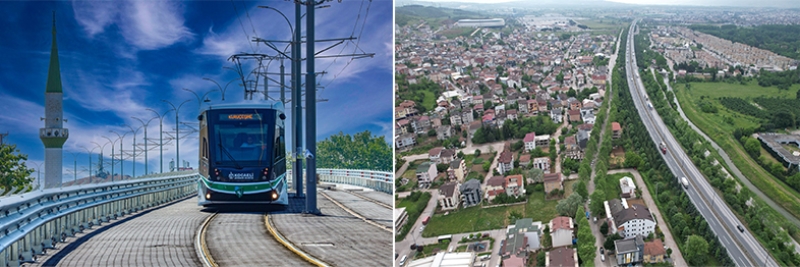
649, 105
243, 155
741, 229
403, 260
685, 182
663, 147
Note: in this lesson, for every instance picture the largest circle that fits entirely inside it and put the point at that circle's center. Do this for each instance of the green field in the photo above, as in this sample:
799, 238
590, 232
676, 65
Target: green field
714, 126
414, 209
749, 90
475, 219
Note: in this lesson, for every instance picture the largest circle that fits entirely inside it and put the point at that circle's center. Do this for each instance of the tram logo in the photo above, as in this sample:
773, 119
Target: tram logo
240, 176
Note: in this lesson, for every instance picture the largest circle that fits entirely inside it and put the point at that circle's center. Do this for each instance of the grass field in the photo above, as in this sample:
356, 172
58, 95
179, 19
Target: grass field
429, 101
475, 219
714, 126
414, 209
427, 250
568, 187
749, 90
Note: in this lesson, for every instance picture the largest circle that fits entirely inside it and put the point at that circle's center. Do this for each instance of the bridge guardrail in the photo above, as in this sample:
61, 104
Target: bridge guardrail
35, 221
377, 180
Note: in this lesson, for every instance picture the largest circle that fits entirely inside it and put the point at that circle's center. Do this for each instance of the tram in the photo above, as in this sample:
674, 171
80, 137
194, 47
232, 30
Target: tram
243, 155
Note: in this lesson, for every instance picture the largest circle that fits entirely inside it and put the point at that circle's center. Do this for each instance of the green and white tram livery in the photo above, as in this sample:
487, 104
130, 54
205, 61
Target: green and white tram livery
242, 155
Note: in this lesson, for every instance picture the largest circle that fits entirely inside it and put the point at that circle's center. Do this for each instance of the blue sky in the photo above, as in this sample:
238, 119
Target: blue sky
119, 58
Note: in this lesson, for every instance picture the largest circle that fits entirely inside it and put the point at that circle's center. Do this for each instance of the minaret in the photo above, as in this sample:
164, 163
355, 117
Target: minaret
53, 135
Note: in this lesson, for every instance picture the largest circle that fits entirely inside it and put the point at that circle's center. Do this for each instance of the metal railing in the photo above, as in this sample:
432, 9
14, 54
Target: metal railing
33, 222
375, 180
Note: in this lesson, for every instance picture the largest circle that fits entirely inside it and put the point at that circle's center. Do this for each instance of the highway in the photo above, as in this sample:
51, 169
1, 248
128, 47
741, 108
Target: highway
743, 248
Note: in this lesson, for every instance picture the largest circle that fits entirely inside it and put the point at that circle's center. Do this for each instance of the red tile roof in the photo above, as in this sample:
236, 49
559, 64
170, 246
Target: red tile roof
615, 126
654, 248
530, 137
561, 222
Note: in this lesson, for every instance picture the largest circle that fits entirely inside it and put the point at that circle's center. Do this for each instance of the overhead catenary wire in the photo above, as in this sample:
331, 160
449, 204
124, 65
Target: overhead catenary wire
247, 37
355, 26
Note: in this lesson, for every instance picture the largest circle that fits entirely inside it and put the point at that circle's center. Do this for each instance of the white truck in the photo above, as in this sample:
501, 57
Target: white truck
685, 182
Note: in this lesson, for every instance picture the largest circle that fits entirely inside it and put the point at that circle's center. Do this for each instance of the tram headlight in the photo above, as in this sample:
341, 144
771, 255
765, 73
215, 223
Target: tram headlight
208, 195
274, 195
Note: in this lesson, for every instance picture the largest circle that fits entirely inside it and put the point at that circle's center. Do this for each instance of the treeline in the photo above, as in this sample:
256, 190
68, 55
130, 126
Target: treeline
783, 80
645, 55
777, 113
515, 129
360, 151
781, 39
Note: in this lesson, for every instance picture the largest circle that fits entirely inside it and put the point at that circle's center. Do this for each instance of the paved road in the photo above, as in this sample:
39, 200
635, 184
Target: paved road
377, 196
742, 247
369, 210
336, 237
155, 237
241, 239
403, 247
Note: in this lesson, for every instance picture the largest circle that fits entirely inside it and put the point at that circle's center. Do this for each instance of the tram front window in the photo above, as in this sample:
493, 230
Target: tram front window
242, 143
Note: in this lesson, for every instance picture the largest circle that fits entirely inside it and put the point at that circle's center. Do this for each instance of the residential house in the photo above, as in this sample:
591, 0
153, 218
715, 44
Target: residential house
629, 221
455, 119
556, 115
494, 187
471, 193
466, 117
523, 107
616, 130
542, 163
542, 140
574, 115
449, 196
426, 172
447, 156
553, 181
572, 148
573, 103
434, 154
561, 257
420, 124
400, 218
654, 251
629, 251
542, 105
583, 138
530, 141
561, 231
445, 131
588, 117
514, 185
457, 170
524, 160
403, 126
533, 106
522, 237
628, 187
511, 114
505, 162
405, 142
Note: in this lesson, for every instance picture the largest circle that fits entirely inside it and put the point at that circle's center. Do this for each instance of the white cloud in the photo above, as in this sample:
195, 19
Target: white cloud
147, 25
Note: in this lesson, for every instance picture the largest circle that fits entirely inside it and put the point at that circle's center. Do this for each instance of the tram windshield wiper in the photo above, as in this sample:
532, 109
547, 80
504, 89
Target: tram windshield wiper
225, 150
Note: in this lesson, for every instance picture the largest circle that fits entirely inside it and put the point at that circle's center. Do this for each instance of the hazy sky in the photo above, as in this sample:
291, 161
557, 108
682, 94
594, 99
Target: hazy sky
748, 3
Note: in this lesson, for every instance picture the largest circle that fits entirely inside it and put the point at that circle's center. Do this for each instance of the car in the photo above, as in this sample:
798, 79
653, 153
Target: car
602, 251
741, 229
403, 260
602, 257
595, 219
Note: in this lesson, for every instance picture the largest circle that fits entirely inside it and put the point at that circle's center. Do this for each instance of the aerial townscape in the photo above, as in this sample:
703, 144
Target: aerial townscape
596, 133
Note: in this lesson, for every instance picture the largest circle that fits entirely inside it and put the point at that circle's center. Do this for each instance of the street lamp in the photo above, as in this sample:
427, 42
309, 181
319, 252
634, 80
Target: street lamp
90, 152
134, 149
38, 173
221, 89
177, 132
121, 159
103, 147
74, 168
146, 148
112, 156
199, 102
160, 135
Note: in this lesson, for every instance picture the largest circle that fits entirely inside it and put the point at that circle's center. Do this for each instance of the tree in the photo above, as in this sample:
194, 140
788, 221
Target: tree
441, 167
609, 244
580, 189
13, 171
536, 175
632, 159
477, 153
604, 228
568, 206
696, 250
361, 151
487, 165
597, 197
460, 154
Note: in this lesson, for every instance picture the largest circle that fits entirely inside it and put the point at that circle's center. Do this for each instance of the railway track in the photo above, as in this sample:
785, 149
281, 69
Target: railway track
367, 214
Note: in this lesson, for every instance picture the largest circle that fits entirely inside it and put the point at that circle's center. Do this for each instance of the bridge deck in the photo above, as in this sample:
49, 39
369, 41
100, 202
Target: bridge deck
378, 196
155, 237
337, 237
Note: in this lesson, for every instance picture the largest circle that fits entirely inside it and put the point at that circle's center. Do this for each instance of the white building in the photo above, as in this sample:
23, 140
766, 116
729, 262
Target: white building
446, 259
631, 220
561, 231
627, 187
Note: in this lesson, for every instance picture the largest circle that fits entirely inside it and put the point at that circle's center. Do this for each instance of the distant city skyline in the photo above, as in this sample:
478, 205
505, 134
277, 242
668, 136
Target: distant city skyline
707, 3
